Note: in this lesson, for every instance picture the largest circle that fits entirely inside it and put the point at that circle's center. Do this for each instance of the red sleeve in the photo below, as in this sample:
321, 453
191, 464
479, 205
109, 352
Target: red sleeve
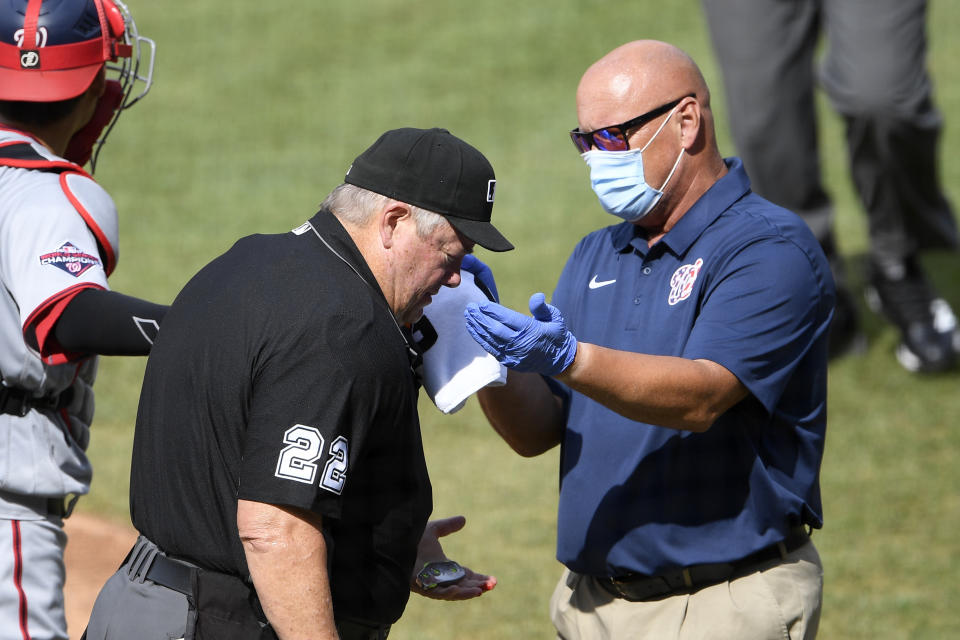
38, 330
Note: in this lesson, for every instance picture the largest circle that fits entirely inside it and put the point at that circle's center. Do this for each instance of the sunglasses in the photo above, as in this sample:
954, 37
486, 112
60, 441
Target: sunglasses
614, 137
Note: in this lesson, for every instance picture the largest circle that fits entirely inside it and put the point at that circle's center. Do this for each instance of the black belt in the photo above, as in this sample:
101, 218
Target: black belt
171, 574
637, 587
18, 402
357, 630
177, 575
60, 506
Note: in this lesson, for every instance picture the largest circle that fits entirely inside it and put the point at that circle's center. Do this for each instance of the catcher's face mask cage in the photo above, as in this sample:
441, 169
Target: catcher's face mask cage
51, 50
134, 71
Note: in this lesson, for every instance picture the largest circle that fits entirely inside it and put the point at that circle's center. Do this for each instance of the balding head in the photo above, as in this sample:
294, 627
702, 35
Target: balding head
677, 140
635, 78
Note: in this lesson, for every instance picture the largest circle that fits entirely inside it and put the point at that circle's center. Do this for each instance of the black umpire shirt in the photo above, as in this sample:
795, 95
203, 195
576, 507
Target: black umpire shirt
280, 376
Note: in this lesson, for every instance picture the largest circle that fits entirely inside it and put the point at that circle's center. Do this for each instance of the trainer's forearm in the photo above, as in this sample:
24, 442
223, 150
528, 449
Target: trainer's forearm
663, 390
287, 558
524, 412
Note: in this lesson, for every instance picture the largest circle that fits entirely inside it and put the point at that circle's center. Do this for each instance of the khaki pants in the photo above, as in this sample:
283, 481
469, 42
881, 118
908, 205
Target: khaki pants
778, 601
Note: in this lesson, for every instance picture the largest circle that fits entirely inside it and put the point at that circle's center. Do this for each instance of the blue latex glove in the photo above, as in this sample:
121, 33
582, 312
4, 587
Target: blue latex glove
482, 276
541, 344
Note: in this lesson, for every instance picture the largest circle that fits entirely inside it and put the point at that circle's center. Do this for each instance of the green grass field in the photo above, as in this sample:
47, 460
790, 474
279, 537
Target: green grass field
258, 109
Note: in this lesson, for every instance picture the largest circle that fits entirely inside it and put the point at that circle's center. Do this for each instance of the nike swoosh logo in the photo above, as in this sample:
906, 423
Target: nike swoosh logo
594, 284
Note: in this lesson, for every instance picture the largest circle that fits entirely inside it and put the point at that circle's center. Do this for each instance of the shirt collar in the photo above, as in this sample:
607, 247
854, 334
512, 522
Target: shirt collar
717, 199
330, 229
622, 234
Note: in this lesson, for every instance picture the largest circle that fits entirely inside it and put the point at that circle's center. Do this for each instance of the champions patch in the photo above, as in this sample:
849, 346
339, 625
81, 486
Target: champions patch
70, 259
682, 281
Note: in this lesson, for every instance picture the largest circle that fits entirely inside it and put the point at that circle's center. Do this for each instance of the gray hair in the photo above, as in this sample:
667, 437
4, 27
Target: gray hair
355, 205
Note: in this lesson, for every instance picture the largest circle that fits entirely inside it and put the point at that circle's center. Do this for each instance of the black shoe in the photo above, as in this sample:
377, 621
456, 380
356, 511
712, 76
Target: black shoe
927, 325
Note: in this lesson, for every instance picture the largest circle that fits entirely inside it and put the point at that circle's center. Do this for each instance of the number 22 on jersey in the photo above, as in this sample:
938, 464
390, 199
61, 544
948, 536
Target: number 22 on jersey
299, 459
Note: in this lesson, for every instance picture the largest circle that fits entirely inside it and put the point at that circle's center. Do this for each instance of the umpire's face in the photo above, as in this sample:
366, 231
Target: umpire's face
421, 264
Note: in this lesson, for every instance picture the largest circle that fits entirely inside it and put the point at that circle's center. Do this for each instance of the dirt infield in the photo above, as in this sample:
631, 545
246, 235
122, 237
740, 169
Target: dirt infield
95, 548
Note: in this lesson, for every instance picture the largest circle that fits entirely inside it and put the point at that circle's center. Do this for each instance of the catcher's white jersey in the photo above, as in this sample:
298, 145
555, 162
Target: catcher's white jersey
58, 235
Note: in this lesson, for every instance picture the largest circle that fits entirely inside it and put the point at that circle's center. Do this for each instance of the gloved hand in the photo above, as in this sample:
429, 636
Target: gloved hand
541, 344
482, 276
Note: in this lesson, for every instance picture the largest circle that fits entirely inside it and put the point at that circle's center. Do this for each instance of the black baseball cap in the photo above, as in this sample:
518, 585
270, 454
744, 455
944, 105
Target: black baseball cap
434, 170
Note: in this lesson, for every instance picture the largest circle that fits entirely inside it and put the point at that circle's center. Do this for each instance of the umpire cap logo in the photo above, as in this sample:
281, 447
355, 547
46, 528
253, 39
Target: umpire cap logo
491, 189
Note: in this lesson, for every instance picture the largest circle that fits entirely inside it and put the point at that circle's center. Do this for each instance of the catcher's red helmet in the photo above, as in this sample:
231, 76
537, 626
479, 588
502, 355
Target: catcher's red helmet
52, 50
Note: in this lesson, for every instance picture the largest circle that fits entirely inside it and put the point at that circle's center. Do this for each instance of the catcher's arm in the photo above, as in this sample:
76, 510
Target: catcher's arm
108, 323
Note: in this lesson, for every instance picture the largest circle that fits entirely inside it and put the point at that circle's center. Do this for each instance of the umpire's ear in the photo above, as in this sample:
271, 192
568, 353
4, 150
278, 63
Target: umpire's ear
388, 219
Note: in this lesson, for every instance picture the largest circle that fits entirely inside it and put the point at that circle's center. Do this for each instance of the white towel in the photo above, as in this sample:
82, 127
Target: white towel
455, 366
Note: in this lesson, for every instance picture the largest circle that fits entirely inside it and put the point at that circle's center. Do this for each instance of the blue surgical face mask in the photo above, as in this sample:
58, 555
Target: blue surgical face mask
617, 179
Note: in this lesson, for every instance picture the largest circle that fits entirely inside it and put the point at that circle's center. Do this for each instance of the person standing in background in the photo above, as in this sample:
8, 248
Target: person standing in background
874, 71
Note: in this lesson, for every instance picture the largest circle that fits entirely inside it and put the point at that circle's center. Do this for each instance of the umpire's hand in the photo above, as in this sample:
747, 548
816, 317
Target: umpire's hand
429, 550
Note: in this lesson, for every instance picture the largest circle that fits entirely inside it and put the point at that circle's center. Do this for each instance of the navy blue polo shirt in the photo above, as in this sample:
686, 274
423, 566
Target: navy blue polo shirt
738, 281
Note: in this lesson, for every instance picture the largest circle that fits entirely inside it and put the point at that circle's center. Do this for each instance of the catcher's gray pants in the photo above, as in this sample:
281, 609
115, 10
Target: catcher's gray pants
874, 71
32, 577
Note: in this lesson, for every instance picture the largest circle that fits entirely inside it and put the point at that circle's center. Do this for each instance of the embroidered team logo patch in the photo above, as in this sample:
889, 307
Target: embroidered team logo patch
682, 281
70, 259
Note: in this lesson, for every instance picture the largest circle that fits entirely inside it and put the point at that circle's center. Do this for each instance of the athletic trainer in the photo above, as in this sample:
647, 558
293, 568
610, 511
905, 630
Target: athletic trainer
278, 476
682, 369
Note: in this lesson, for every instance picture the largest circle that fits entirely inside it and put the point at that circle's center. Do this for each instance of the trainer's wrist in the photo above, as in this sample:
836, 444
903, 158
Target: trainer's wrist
570, 370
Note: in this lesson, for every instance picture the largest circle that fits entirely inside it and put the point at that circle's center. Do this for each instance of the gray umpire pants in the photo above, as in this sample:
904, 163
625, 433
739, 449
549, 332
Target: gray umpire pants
130, 606
874, 72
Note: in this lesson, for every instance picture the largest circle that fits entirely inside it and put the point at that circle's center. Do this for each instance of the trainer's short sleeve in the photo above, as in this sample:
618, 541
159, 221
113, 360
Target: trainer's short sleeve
760, 316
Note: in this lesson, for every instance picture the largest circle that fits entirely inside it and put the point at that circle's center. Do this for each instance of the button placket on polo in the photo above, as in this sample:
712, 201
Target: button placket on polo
637, 311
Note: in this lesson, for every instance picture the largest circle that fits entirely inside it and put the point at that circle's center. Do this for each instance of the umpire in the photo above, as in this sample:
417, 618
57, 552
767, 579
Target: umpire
278, 477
